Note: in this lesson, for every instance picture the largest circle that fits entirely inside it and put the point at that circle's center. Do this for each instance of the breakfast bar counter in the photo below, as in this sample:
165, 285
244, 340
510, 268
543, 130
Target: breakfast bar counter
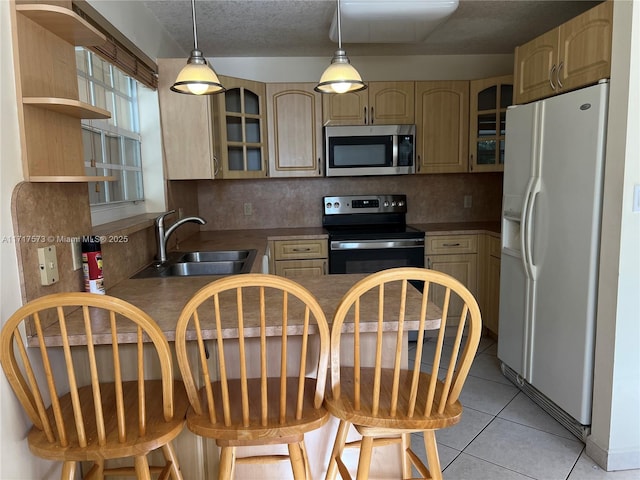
164, 298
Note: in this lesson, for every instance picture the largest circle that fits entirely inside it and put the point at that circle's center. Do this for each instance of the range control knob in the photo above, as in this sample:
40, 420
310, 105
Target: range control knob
386, 203
400, 203
336, 205
328, 205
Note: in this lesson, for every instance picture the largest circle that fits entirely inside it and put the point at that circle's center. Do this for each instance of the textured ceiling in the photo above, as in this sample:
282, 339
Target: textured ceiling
274, 28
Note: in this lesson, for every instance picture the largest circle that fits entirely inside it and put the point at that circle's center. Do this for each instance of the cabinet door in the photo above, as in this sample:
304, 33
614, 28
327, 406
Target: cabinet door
585, 48
462, 267
241, 120
534, 68
187, 128
294, 113
442, 126
391, 103
492, 305
345, 108
488, 102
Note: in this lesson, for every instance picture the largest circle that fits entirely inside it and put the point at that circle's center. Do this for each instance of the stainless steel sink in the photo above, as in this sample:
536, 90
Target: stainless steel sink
187, 264
187, 269
216, 256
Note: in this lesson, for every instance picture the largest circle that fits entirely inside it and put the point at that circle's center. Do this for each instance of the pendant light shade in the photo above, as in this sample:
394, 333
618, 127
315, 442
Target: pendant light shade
197, 77
340, 76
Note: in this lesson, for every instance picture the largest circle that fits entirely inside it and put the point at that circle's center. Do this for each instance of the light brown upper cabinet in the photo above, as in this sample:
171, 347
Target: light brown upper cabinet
488, 102
573, 55
382, 103
442, 126
187, 128
239, 120
294, 114
49, 108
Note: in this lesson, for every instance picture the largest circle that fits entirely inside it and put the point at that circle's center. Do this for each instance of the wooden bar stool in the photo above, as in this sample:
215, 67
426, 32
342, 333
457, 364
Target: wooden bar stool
107, 417
387, 404
264, 386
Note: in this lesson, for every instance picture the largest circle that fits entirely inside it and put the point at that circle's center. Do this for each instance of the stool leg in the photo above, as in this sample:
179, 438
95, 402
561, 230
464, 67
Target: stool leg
297, 464
364, 462
227, 459
338, 447
405, 444
68, 471
170, 456
432, 454
142, 468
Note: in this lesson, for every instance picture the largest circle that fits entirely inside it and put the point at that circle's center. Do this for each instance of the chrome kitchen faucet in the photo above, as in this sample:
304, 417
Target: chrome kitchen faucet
163, 236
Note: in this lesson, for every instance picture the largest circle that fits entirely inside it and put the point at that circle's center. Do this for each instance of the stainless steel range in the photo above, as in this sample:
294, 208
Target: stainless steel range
368, 233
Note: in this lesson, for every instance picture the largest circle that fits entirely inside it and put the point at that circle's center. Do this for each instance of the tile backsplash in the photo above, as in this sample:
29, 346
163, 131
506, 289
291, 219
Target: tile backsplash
51, 213
277, 203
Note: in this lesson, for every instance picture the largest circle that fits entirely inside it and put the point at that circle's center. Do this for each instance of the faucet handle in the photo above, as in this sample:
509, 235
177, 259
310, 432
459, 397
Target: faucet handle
160, 218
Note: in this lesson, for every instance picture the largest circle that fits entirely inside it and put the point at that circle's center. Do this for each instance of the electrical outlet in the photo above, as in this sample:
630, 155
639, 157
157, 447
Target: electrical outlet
248, 209
76, 254
48, 264
467, 201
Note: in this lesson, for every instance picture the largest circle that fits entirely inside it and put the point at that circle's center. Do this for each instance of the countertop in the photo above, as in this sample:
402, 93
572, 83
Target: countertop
164, 298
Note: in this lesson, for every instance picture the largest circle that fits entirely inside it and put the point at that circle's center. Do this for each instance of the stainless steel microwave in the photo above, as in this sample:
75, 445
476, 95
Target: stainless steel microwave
369, 150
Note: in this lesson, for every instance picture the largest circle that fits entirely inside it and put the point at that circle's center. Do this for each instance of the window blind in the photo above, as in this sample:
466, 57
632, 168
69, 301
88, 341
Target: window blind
118, 49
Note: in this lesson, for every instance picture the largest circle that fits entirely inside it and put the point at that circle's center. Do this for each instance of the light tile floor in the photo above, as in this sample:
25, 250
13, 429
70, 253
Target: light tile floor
503, 435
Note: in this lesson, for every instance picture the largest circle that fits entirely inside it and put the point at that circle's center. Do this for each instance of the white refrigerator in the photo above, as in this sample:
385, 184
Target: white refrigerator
551, 216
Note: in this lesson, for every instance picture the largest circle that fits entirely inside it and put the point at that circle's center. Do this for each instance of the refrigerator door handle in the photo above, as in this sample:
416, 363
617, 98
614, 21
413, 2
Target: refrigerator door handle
533, 192
524, 242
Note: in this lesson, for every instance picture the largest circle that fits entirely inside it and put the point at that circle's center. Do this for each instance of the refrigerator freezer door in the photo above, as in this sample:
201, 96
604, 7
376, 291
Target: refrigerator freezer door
513, 348
521, 166
566, 232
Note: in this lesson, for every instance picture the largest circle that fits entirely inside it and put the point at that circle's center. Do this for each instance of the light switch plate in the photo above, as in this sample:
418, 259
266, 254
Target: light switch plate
48, 265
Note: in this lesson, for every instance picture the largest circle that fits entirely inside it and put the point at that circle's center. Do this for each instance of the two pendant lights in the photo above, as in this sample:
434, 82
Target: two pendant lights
198, 78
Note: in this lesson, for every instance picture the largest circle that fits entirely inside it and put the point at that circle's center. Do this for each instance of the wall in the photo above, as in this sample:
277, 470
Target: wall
615, 437
15, 459
298, 202
16, 462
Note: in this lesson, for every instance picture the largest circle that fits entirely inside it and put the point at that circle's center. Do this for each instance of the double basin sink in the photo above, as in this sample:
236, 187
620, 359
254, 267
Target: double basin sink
187, 264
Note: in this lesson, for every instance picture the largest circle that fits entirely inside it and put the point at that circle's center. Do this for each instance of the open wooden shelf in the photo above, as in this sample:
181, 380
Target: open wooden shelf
64, 23
67, 106
69, 179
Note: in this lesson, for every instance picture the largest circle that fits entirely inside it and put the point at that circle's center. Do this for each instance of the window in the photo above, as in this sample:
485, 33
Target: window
111, 147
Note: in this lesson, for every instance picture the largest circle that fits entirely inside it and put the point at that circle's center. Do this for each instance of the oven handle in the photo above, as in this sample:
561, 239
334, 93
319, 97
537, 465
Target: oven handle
376, 244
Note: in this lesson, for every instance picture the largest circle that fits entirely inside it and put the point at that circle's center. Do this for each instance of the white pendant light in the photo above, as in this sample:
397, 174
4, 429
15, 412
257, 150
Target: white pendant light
340, 76
197, 77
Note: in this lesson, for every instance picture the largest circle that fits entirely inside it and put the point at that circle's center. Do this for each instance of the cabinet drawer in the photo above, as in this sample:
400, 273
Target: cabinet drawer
300, 249
445, 244
494, 246
302, 268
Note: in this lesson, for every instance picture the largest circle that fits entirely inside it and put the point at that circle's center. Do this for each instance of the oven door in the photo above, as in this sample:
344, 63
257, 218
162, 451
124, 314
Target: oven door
368, 256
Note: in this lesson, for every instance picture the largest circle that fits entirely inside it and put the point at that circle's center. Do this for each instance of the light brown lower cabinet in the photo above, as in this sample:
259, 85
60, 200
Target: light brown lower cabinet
455, 255
300, 257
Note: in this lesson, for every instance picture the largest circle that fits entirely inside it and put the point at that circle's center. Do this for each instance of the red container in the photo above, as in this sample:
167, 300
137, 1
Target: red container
92, 265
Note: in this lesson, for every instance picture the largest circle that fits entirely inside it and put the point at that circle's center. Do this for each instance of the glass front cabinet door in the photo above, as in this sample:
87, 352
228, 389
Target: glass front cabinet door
241, 120
488, 102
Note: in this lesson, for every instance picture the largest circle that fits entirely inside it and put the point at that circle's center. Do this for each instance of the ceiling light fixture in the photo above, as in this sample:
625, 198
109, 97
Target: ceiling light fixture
340, 76
197, 77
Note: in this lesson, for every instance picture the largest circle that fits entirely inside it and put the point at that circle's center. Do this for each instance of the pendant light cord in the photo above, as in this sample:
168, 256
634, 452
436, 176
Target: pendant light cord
339, 30
195, 33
